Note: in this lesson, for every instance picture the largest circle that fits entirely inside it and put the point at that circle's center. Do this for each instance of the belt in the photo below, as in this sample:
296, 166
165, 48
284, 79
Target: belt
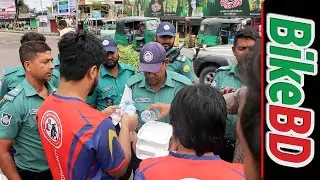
231, 143
29, 175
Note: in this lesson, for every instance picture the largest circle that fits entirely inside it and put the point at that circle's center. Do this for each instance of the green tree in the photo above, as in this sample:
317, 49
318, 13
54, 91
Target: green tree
21, 7
97, 5
49, 9
103, 8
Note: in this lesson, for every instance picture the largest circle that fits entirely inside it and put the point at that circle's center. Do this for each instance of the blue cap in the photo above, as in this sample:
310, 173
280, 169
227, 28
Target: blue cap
109, 44
152, 56
166, 29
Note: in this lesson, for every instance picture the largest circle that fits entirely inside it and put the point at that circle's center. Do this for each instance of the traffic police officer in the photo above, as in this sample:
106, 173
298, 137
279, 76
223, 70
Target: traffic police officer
153, 84
18, 126
15, 75
113, 76
111, 84
228, 77
165, 35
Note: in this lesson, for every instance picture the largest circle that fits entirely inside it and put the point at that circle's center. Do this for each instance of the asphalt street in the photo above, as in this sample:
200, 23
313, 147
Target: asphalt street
10, 43
9, 49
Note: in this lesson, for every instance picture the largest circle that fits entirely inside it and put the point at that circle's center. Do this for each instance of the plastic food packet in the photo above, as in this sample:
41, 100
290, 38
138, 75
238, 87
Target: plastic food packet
126, 106
147, 115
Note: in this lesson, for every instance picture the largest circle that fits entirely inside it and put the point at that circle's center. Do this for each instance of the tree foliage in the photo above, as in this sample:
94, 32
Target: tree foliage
49, 9
128, 55
21, 6
97, 5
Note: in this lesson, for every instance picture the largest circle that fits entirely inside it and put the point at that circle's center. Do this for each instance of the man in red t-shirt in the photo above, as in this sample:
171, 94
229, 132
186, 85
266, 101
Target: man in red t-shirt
198, 115
81, 142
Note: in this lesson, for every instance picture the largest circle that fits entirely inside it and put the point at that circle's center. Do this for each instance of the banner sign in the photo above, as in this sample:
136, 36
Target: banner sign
195, 8
7, 9
61, 7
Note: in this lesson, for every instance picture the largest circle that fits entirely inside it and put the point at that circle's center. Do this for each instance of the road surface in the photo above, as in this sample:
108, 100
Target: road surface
9, 49
10, 43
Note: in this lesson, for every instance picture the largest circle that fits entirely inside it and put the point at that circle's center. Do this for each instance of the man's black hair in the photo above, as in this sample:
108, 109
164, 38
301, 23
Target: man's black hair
32, 36
198, 115
250, 115
246, 33
79, 51
29, 50
63, 23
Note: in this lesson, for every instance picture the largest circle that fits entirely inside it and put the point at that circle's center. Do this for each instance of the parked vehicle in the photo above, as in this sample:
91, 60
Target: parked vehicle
136, 30
217, 31
108, 28
208, 59
93, 25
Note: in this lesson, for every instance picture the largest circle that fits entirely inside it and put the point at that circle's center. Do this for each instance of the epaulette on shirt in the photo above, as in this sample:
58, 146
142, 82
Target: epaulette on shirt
180, 78
135, 79
224, 68
13, 93
11, 70
181, 58
128, 67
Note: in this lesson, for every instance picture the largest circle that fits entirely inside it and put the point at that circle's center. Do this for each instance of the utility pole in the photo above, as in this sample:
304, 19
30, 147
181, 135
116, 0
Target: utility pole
41, 15
77, 14
132, 2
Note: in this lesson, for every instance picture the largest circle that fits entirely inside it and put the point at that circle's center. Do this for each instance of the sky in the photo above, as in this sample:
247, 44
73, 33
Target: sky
36, 4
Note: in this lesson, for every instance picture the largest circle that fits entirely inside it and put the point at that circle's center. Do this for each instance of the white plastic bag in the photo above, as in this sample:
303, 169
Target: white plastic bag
126, 105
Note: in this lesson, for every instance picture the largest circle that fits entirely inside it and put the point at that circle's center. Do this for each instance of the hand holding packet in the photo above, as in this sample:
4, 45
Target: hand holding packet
126, 106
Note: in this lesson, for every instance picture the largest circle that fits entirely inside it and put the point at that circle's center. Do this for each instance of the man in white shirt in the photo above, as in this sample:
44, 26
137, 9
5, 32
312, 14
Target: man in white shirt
63, 28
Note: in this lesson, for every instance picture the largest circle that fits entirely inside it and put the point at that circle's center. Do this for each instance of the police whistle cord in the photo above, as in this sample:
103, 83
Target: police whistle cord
175, 53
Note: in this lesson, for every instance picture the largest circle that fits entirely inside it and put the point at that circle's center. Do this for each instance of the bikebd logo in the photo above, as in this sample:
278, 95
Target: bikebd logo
288, 59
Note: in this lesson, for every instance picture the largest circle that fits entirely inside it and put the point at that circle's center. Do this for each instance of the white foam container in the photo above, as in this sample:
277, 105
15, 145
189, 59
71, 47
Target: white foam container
2, 176
153, 140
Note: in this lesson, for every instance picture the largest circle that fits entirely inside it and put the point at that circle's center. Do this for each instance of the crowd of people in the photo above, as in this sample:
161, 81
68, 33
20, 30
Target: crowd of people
55, 111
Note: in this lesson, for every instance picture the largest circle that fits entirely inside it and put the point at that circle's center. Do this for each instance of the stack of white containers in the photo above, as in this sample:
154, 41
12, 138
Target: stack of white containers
3, 177
153, 140
153, 137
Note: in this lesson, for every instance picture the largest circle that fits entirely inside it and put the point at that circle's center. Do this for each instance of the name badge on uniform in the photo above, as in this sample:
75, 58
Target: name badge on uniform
33, 111
142, 100
107, 88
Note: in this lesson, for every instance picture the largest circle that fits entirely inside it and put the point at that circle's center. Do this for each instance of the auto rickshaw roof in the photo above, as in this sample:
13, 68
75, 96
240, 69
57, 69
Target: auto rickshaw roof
194, 21
134, 18
211, 21
109, 20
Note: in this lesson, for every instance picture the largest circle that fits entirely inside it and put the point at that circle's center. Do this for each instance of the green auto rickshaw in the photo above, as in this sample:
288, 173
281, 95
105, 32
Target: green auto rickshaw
217, 31
108, 28
136, 30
